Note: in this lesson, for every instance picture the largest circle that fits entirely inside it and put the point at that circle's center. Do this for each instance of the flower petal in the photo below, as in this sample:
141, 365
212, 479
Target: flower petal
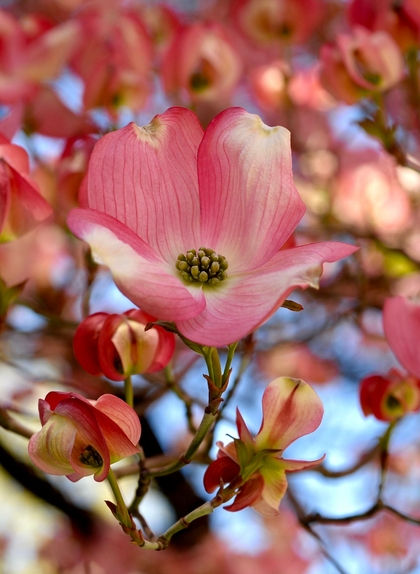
246, 188
89, 433
146, 177
243, 430
50, 448
401, 318
122, 415
138, 272
166, 345
85, 343
291, 409
242, 303
249, 493
222, 470
275, 486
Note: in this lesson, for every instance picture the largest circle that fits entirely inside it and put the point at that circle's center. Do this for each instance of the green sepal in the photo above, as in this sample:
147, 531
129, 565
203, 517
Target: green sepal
256, 462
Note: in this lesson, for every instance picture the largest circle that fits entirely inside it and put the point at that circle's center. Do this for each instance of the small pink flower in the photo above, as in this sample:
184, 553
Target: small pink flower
400, 19
401, 319
118, 346
201, 64
26, 59
114, 58
361, 64
393, 396
21, 206
191, 223
81, 437
272, 21
291, 409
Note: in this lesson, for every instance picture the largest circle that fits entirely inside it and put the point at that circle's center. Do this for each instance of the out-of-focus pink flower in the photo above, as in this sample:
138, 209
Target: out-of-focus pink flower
28, 59
361, 64
393, 396
191, 223
21, 206
81, 437
46, 114
368, 194
269, 85
118, 346
291, 409
401, 319
400, 19
114, 59
201, 64
296, 360
162, 23
305, 89
268, 22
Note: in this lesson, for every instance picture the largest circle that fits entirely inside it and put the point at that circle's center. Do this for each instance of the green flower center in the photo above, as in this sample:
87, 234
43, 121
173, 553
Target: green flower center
203, 266
91, 457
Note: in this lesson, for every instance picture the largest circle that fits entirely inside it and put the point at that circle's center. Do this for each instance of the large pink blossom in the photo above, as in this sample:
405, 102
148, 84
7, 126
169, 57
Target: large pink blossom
156, 192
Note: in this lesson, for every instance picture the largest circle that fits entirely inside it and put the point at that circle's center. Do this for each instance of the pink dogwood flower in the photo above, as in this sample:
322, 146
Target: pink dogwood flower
396, 394
118, 346
291, 409
22, 207
191, 223
80, 437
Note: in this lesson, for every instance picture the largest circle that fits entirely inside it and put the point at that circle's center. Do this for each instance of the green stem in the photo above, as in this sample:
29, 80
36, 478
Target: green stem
123, 514
128, 391
384, 445
203, 510
229, 359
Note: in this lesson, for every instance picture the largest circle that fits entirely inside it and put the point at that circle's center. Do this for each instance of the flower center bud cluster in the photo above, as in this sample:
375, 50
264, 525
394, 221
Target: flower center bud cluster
204, 266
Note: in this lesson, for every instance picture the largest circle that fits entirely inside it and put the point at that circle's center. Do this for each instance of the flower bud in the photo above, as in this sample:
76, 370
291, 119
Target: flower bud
118, 346
80, 437
389, 398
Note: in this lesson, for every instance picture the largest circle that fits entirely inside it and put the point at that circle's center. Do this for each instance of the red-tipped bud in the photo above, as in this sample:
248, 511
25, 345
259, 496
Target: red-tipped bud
118, 346
389, 398
81, 437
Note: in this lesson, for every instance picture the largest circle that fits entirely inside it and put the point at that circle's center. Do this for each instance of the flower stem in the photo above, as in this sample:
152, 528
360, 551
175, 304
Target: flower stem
128, 391
123, 514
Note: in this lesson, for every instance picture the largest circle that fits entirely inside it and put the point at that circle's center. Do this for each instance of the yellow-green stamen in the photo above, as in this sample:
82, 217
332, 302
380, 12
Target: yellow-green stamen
91, 457
203, 266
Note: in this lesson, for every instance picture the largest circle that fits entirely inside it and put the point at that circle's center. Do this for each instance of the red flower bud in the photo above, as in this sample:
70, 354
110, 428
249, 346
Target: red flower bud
117, 346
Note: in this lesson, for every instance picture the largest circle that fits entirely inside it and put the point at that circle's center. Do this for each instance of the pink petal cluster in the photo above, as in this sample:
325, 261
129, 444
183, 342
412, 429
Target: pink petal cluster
291, 409
393, 396
155, 193
201, 64
360, 63
81, 437
114, 57
117, 346
273, 21
21, 206
31, 54
400, 19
